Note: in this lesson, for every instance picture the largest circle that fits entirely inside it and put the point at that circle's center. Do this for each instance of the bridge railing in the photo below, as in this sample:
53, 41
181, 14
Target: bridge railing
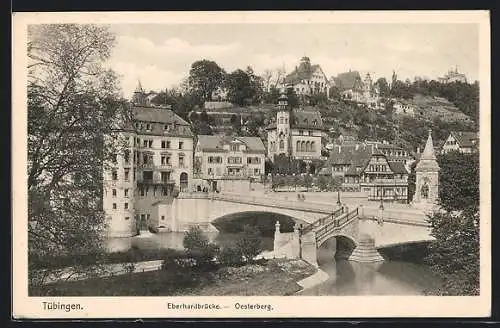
273, 202
322, 221
336, 224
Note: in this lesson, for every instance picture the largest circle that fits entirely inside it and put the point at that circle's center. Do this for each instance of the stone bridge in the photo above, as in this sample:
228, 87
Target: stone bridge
357, 231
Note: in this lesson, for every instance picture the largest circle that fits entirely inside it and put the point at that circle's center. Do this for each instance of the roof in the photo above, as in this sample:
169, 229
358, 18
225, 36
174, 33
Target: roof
216, 143
398, 167
156, 115
347, 80
303, 119
349, 155
465, 139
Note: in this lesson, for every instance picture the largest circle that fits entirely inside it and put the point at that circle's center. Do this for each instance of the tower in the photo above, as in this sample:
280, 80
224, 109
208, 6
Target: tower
139, 96
283, 126
427, 176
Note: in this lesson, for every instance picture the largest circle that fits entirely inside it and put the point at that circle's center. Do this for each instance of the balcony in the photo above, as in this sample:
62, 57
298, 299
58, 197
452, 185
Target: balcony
155, 181
165, 167
145, 166
384, 182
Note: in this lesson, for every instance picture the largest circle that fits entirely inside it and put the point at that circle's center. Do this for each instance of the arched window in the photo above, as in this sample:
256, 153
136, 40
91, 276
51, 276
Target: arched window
312, 146
281, 120
303, 146
286, 120
282, 144
308, 146
298, 146
305, 121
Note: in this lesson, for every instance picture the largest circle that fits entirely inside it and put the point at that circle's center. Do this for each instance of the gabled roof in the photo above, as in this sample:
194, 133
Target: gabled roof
465, 139
216, 143
349, 155
347, 80
303, 119
156, 115
398, 167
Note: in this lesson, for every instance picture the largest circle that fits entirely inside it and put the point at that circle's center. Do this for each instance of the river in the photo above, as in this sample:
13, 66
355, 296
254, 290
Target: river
346, 277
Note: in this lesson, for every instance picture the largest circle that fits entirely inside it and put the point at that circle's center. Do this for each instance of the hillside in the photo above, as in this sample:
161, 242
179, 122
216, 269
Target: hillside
430, 108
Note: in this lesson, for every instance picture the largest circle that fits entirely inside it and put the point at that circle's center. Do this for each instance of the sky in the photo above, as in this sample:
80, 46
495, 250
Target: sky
160, 55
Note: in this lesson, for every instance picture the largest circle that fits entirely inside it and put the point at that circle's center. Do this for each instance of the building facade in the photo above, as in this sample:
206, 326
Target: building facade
352, 87
295, 133
378, 172
463, 142
427, 176
453, 76
307, 79
155, 162
403, 108
220, 161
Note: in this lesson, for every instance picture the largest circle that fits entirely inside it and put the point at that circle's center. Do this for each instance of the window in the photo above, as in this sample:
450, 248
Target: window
165, 127
282, 144
144, 143
167, 159
150, 144
114, 175
210, 171
234, 160
234, 147
127, 174
165, 176
163, 217
114, 206
163, 144
168, 144
126, 156
163, 159
114, 158
125, 206
256, 171
181, 160
281, 120
301, 132
286, 120
181, 144
125, 192
148, 127
114, 192
127, 218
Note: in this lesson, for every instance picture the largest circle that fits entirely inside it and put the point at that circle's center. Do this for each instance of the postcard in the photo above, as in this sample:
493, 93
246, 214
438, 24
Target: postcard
251, 164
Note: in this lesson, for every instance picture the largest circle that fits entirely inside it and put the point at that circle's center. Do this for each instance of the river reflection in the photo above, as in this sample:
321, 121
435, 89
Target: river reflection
174, 240
380, 278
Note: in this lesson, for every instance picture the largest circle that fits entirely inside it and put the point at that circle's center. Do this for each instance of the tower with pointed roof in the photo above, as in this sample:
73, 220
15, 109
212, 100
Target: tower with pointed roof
139, 97
427, 175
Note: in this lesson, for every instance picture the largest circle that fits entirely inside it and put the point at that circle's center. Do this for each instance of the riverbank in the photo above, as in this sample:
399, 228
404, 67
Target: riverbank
276, 277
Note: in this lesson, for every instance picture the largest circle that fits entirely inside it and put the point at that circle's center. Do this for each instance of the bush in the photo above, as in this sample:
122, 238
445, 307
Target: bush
198, 247
250, 245
231, 256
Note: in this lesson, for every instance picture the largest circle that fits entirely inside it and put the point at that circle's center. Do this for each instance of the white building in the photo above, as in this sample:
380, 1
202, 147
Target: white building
463, 142
295, 133
157, 161
225, 163
403, 108
307, 79
453, 76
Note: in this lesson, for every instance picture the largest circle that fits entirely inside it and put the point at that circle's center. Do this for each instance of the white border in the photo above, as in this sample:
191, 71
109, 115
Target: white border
289, 306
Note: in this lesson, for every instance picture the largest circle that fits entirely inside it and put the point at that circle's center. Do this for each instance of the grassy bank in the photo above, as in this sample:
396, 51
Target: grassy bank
265, 278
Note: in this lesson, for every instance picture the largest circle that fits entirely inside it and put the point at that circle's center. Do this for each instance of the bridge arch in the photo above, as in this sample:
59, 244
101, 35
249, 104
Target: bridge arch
264, 220
338, 246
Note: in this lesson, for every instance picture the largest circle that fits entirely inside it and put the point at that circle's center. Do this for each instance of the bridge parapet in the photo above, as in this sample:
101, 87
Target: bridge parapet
273, 202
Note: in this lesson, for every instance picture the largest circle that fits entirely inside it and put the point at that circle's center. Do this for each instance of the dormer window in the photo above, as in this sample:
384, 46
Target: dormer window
305, 121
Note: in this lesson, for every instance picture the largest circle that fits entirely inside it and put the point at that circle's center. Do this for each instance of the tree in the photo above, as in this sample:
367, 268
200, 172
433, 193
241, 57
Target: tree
73, 108
383, 87
455, 253
293, 100
458, 180
250, 244
411, 181
205, 77
266, 77
198, 246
